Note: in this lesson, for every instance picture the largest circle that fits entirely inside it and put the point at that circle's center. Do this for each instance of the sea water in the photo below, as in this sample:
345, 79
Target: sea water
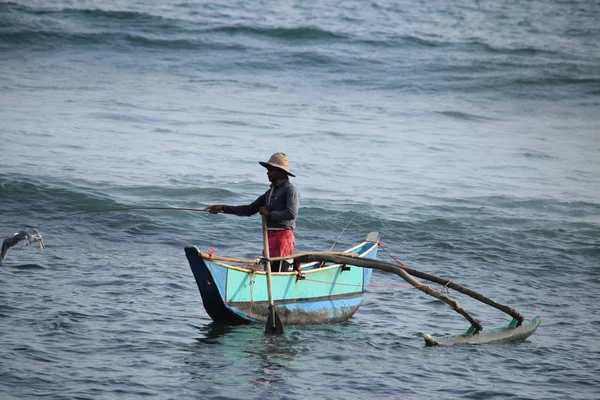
467, 133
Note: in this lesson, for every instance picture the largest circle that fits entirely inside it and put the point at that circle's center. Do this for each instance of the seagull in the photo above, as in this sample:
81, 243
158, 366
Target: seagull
29, 235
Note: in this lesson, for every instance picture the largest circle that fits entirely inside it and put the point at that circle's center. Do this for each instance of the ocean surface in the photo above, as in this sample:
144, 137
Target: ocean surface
467, 133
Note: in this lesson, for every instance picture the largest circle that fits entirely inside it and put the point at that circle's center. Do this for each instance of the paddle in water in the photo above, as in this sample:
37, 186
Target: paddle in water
274, 325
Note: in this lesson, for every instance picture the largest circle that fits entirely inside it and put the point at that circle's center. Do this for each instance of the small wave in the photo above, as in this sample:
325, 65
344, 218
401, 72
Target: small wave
535, 203
435, 41
536, 155
311, 59
401, 41
478, 45
556, 81
33, 134
118, 15
48, 40
463, 116
235, 82
175, 43
27, 266
62, 13
288, 33
332, 134
45, 28
422, 42
59, 198
64, 322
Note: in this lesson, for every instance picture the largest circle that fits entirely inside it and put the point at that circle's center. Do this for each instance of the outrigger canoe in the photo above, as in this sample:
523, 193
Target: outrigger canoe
330, 287
235, 294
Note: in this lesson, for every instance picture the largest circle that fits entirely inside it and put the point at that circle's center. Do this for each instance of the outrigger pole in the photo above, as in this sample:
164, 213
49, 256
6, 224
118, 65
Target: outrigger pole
407, 274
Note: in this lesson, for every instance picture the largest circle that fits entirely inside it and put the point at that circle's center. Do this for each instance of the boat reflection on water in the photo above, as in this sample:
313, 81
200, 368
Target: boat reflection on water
245, 352
212, 331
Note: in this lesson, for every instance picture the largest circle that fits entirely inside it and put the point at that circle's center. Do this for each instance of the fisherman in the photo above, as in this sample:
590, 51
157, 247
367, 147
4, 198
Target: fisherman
280, 204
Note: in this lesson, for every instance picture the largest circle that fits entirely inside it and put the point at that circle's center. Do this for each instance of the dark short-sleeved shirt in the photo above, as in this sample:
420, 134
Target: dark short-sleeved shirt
283, 203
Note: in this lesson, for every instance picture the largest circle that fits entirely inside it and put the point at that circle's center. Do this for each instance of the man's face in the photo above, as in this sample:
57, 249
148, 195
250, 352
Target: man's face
275, 174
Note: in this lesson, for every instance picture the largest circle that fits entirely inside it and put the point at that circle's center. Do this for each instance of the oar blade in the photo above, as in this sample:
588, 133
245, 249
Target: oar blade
274, 325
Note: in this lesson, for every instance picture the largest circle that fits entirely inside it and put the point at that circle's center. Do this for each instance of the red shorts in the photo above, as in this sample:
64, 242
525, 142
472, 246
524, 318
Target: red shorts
281, 243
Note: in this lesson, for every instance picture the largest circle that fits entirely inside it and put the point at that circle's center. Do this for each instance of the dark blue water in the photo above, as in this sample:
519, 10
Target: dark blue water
467, 133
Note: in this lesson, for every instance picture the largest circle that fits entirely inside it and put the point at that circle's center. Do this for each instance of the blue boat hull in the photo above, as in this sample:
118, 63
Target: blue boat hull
235, 295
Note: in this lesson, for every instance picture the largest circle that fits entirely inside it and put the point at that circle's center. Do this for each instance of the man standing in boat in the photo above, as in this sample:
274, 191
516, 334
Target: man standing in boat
280, 204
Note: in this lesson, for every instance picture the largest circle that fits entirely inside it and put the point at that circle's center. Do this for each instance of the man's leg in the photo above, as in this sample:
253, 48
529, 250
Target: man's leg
281, 244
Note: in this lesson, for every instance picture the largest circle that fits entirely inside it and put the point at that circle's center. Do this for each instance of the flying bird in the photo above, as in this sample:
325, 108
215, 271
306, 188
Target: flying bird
28, 235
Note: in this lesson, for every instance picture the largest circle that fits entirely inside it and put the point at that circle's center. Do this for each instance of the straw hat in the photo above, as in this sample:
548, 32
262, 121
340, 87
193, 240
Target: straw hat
278, 160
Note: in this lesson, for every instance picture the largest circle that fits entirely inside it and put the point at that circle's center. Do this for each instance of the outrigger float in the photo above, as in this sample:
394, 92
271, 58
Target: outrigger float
328, 287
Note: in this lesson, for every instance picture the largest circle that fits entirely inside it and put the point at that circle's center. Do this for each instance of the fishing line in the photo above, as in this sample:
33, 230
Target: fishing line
124, 209
347, 225
343, 230
33, 235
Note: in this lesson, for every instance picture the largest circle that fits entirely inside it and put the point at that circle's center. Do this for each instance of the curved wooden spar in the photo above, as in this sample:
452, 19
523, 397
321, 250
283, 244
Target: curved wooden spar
471, 293
395, 268
392, 267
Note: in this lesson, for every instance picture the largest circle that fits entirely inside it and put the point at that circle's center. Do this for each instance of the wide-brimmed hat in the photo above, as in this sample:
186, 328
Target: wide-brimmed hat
280, 161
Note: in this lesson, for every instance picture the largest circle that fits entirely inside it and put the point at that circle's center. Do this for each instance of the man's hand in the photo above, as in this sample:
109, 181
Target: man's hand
265, 211
216, 209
